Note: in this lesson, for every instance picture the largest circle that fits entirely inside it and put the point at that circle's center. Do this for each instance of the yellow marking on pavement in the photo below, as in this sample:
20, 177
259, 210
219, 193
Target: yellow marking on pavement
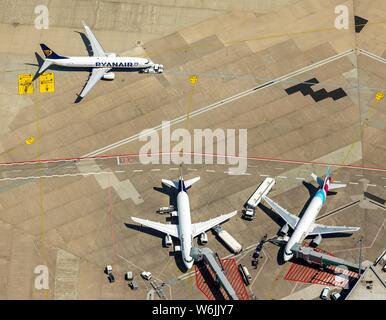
47, 82
193, 79
41, 189
379, 96
25, 84
30, 140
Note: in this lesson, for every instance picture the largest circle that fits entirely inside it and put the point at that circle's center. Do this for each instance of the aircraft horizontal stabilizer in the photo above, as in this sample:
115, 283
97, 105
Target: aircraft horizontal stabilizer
318, 180
46, 64
170, 183
190, 182
336, 186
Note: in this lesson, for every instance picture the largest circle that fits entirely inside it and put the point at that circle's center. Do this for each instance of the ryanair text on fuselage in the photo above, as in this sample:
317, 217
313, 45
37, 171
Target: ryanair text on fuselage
116, 64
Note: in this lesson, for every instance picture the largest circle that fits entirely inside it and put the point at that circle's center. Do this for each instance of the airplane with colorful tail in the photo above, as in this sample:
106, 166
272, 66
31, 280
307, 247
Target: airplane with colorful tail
306, 226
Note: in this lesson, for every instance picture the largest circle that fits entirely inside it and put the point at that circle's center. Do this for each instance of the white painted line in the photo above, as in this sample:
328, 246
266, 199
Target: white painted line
119, 171
192, 169
155, 170
209, 170
264, 175
57, 176
171, 169
279, 168
353, 182
282, 177
137, 170
237, 174
371, 55
371, 185
300, 178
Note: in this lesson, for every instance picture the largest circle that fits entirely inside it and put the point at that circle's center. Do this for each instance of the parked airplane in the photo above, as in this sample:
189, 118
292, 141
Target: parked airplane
306, 226
101, 63
185, 230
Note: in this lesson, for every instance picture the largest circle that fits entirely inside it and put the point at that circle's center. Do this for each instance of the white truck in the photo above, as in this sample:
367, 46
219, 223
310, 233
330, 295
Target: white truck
255, 198
146, 275
230, 242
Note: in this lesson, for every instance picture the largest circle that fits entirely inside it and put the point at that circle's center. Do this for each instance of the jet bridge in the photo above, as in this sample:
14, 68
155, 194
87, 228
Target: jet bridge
322, 259
206, 254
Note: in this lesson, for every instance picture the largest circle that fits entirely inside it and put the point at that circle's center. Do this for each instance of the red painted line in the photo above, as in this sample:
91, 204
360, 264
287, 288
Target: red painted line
310, 274
298, 272
301, 272
293, 270
289, 272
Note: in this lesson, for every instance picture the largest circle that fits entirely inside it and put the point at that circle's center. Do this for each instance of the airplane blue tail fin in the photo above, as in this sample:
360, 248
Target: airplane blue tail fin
50, 54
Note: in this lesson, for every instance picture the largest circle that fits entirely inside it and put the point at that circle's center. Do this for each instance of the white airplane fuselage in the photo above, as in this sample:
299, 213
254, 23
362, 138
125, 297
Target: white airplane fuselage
185, 228
103, 62
306, 223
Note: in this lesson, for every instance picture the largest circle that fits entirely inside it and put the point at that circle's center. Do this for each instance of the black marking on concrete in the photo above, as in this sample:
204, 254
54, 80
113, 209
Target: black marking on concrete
305, 89
374, 198
359, 23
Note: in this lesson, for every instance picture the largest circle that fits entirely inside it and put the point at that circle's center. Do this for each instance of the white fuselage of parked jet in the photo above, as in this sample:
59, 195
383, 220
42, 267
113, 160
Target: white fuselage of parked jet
103, 62
185, 227
306, 223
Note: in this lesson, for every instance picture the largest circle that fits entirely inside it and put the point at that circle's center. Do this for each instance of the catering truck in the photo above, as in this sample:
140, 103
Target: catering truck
229, 241
255, 198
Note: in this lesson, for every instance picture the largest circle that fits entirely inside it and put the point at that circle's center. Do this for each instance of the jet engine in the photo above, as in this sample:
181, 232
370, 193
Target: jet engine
317, 240
109, 76
284, 230
203, 238
168, 240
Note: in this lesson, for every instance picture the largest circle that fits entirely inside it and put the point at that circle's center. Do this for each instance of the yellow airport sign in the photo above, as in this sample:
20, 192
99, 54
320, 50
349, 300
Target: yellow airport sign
30, 140
47, 82
25, 84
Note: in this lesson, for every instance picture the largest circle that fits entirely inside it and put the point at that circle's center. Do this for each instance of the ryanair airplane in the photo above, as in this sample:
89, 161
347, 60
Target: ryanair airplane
100, 62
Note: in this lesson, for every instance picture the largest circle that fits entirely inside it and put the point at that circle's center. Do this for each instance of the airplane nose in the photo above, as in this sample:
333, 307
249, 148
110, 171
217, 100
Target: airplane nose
188, 263
287, 256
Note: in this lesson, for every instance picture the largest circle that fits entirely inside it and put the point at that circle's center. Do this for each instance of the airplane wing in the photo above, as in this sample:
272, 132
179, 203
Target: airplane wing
322, 229
288, 217
200, 227
95, 75
170, 229
96, 47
